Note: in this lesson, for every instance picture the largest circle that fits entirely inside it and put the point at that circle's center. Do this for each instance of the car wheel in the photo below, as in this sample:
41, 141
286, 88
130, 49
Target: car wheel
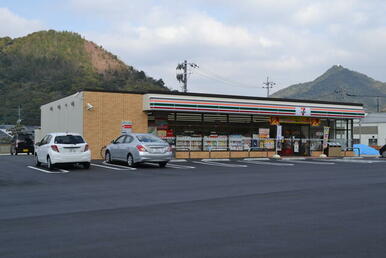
50, 166
86, 165
107, 157
162, 164
384, 154
130, 161
11, 151
37, 162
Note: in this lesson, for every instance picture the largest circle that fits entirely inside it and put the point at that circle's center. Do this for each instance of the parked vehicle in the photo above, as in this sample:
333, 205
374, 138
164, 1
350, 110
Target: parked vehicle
137, 148
22, 143
63, 148
382, 151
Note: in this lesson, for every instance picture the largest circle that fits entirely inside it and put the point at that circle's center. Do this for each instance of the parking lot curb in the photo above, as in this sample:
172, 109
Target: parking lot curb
256, 159
206, 160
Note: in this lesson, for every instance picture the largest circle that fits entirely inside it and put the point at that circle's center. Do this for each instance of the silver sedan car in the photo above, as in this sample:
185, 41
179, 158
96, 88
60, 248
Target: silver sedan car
136, 148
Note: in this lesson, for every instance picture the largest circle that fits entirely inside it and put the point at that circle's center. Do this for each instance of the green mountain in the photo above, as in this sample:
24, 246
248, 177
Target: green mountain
339, 84
48, 65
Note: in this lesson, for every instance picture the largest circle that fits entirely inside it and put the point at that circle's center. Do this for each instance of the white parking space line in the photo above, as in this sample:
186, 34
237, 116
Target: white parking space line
112, 168
255, 162
118, 166
258, 159
214, 160
8, 154
178, 160
62, 171
356, 161
309, 162
179, 166
211, 163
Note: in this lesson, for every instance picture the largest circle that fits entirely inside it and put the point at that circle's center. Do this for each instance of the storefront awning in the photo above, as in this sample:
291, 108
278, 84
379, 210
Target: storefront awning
182, 103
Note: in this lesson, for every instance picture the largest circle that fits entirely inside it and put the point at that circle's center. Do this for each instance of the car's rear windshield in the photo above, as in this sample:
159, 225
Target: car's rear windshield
69, 139
149, 138
24, 137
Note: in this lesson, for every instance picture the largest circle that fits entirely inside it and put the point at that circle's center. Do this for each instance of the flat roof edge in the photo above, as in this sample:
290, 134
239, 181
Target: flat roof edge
223, 96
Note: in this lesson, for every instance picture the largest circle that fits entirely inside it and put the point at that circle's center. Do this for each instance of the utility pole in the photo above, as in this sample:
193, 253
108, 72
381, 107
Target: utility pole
378, 105
185, 86
182, 74
18, 113
268, 85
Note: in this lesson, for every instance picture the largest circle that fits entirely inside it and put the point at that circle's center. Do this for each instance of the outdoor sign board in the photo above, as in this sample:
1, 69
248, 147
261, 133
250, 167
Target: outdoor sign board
224, 105
264, 132
126, 127
326, 132
274, 120
278, 137
296, 146
303, 111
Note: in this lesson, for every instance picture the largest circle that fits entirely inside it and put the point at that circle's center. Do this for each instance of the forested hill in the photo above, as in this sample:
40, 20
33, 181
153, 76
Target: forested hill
49, 65
339, 84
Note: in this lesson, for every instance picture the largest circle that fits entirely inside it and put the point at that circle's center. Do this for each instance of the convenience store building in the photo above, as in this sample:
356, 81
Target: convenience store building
207, 125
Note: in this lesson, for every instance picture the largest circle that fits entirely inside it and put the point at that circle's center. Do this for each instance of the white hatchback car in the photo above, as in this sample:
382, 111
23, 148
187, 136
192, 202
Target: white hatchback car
62, 148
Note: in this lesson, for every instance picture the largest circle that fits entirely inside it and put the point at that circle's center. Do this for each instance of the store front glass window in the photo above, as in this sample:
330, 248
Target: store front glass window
344, 133
239, 132
316, 137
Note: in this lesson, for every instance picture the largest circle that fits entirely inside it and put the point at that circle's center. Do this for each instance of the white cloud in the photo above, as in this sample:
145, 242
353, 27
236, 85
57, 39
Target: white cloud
243, 41
16, 26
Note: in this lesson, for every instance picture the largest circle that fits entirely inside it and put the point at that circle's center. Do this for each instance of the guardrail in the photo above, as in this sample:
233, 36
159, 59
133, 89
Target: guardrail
4, 148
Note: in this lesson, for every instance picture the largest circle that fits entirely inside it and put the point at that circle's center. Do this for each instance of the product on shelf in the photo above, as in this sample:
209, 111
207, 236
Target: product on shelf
236, 142
186, 143
215, 142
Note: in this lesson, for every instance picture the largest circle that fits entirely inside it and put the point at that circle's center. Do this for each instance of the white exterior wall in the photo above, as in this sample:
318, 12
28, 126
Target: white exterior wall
64, 115
381, 136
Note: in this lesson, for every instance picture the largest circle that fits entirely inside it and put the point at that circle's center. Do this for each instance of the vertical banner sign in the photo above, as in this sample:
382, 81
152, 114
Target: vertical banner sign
296, 146
126, 127
278, 137
326, 133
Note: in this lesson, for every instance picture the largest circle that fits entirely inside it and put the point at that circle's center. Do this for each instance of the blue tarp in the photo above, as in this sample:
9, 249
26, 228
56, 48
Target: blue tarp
365, 150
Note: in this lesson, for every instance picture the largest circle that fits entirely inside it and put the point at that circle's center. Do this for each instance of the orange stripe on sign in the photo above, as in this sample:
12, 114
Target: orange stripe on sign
222, 104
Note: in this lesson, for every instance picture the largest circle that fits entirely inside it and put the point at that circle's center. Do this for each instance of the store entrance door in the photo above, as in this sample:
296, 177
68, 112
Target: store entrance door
295, 140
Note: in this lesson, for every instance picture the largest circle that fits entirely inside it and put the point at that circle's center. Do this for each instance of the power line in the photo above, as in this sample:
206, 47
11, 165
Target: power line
212, 74
200, 73
370, 96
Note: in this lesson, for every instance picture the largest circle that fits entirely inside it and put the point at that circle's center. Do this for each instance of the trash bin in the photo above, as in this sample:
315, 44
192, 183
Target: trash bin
334, 149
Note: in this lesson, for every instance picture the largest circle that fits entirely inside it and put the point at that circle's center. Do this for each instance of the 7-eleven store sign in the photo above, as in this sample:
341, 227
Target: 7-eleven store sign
126, 127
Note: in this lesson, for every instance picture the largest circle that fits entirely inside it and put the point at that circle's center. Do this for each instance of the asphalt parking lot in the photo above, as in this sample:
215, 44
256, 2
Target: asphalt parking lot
238, 208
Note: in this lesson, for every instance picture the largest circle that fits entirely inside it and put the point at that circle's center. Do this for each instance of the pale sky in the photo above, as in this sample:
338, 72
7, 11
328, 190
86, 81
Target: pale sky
236, 44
